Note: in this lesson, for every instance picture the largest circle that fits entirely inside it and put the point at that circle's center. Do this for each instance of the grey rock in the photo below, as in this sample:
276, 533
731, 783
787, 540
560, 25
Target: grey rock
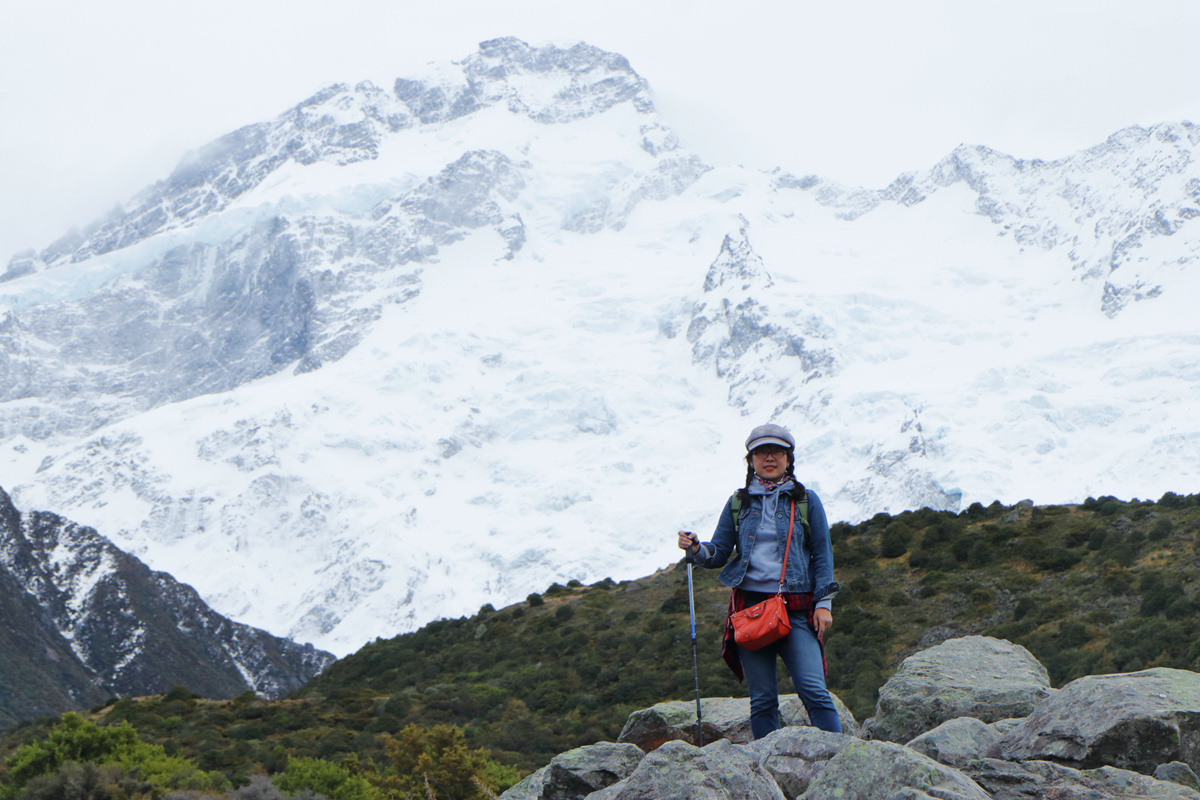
868, 769
1178, 772
1132, 720
957, 741
1034, 780
795, 755
742, 337
579, 81
680, 771
723, 718
974, 676
577, 773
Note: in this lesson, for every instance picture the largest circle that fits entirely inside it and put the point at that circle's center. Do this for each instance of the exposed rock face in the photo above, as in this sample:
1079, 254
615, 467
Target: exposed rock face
1087, 722
723, 718
93, 622
579, 772
41, 673
680, 771
1137, 721
975, 676
1178, 772
883, 769
795, 755
1033, 780
957, 741
736, 329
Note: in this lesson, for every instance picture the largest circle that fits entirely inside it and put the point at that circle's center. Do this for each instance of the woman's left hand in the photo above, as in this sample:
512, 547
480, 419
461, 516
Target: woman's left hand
823, 619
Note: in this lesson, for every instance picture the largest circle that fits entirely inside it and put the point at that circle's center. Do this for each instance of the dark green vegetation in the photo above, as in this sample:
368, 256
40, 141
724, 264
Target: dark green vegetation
1107, 586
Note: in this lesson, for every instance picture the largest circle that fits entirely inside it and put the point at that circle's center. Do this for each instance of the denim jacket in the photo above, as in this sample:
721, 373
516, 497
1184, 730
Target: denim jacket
810, 564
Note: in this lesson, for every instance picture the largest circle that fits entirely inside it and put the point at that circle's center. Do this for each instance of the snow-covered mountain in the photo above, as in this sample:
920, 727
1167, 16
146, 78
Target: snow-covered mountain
399, 353
85, 621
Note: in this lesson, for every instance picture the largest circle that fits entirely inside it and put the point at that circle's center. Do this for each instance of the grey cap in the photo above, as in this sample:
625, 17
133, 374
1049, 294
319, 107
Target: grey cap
770, 434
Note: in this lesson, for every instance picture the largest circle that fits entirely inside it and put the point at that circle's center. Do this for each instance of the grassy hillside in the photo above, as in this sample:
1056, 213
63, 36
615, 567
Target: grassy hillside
1107, 586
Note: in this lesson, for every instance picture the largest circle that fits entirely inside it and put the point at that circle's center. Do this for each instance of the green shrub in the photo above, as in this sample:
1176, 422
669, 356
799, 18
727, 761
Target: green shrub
894, 543
334, 781
1161, 529
1055, 559
76, 740
980, 555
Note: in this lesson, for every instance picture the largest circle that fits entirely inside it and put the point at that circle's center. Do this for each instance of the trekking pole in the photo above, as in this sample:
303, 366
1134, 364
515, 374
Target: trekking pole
695, 662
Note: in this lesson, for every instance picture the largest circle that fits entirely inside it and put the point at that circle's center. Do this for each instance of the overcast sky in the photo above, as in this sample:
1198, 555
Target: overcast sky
100, 99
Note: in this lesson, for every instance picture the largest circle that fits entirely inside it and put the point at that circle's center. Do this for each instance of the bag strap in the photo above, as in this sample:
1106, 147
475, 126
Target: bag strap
788, 549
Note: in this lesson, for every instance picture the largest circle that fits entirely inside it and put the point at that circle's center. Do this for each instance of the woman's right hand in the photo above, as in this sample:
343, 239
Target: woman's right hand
690, 542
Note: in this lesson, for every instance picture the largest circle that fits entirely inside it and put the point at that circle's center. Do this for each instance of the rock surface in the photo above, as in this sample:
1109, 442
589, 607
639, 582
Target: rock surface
1144, 722
795, 755
1178, 772
1134, 720
579, 772
1030, 780
882, 769
960, 740
975, 676
680, 771
723, 718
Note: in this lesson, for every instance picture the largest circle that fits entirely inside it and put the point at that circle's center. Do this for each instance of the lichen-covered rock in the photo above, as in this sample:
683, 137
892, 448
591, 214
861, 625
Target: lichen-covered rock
867, 770
974, 676
680, 771
957, 741
795, 755
1178, 772
723, 718
1132, 720
1034, 780
578, 773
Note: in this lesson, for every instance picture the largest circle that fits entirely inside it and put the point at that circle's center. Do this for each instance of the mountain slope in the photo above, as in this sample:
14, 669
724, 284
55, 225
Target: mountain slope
1108, 586
393, 355
84, 621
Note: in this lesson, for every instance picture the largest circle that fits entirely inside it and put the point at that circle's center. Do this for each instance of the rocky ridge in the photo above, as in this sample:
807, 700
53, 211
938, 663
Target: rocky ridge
1107, 236
1121, 737
87, 621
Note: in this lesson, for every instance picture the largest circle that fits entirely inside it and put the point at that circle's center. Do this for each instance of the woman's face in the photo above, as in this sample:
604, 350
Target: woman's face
770, 462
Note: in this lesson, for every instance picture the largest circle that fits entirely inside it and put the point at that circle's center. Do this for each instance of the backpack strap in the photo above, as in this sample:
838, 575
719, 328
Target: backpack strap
735, 505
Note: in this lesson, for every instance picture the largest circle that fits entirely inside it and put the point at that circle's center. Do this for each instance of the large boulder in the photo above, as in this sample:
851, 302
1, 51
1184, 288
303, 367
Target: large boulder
723, 718
1008, 780
974, 676
865, 770
577, 773
957, 741
680, 771
1135, 720
794, 756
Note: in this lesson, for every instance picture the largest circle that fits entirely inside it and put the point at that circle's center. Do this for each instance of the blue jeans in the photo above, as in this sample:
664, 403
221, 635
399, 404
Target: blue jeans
801, 653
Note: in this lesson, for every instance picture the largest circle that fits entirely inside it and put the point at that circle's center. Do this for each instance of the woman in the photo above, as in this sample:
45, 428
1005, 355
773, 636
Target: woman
756, 540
